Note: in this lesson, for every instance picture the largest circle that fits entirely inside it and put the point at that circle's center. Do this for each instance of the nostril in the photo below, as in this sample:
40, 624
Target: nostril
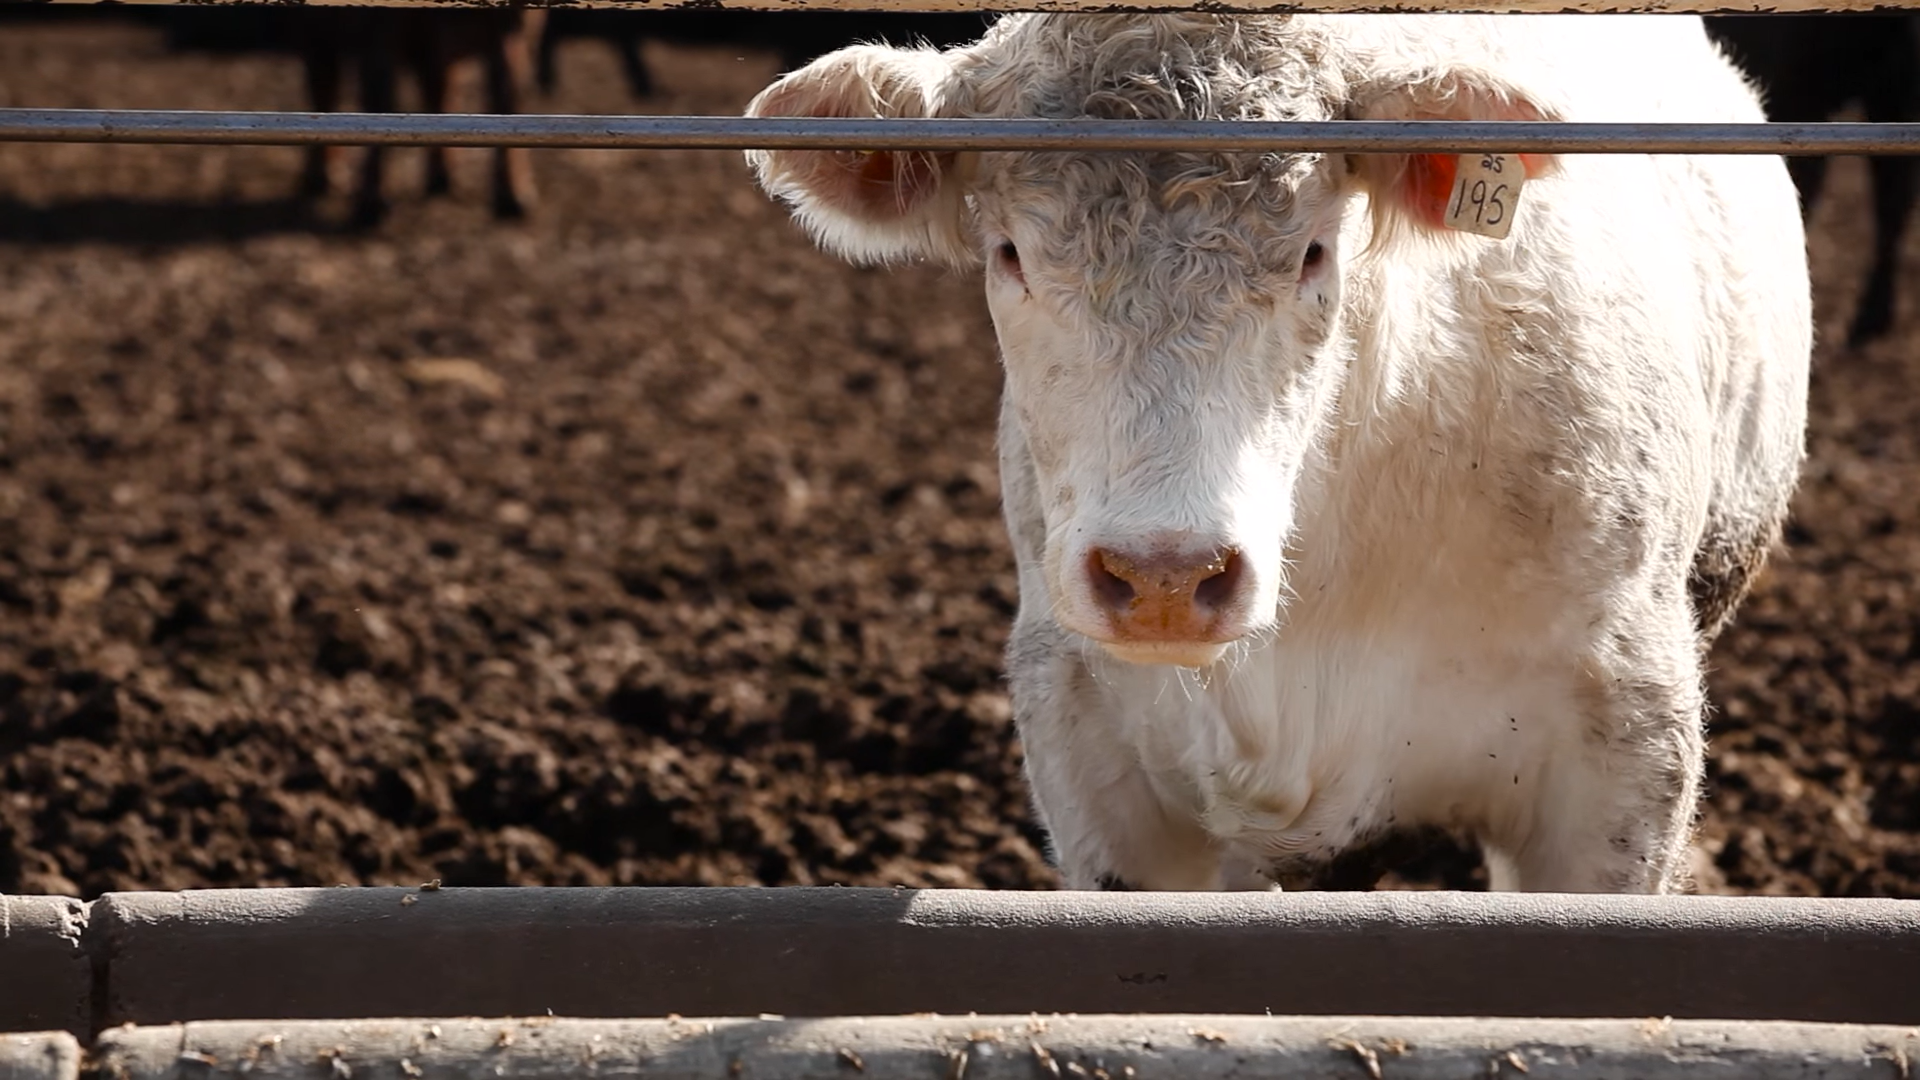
1113, 590
1216, 591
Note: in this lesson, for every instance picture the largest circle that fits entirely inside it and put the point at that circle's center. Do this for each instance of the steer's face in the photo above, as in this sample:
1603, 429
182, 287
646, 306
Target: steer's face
1166, 325
1169, 321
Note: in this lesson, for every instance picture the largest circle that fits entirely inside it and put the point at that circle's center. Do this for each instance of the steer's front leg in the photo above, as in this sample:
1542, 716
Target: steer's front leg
1614, 808
1109, 829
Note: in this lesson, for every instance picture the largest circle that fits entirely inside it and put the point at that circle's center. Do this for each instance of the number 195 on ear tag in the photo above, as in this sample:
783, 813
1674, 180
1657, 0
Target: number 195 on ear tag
1486, 193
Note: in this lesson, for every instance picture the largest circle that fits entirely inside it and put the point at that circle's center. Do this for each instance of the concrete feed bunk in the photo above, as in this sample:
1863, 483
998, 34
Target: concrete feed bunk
39, 1056
158, 958
46, 977
1001, 1048
280, 983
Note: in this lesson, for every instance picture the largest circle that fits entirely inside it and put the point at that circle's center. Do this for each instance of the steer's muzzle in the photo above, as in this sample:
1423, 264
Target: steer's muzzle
1169, 606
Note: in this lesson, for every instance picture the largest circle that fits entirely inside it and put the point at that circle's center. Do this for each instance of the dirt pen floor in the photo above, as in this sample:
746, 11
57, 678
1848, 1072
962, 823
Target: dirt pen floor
642, 543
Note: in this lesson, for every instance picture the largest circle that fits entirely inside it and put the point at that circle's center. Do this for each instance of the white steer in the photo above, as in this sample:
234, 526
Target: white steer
1331, 519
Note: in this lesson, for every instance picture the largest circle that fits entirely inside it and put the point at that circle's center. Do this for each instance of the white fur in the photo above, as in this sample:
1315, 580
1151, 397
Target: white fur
1472, 480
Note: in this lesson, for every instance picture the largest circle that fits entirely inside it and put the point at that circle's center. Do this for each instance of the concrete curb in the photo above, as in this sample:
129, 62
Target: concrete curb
51, 1055
46, 977
158, 958
1004, 1048
347, 953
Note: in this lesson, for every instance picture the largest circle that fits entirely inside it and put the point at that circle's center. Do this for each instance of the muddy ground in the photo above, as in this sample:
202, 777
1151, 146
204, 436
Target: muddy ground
641, 543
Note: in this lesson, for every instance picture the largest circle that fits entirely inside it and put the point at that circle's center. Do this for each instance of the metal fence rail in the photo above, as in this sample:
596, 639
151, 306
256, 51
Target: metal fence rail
742, 133
1247, 6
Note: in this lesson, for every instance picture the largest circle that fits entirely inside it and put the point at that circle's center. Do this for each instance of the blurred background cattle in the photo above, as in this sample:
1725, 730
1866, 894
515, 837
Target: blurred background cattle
382, 43
379, 46
517, 50
1812, 67
796, 37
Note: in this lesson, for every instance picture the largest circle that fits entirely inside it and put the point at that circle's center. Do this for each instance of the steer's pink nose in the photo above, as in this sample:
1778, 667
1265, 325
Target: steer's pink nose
1174, 597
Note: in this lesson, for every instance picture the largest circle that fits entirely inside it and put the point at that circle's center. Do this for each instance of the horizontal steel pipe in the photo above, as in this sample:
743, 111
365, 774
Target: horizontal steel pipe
1006, 1048
599, 952
741, 133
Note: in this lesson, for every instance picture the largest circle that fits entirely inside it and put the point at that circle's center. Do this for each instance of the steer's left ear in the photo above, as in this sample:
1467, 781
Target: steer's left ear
1412, 190
868, 205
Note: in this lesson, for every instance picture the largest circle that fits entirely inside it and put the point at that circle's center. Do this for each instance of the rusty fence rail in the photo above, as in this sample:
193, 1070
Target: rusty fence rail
1698, 7
747, 133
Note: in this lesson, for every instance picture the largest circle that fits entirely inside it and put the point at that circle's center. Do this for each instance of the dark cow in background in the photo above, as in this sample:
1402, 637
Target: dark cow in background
798, 37
381, 44
516, 46
384, 41
376, 47
624, 30
1810, 67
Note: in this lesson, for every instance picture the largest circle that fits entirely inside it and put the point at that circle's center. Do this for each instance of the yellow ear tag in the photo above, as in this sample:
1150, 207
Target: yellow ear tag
1486, 194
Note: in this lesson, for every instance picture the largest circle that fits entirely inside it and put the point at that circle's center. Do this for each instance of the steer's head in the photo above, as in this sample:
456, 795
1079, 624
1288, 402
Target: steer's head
1171, 323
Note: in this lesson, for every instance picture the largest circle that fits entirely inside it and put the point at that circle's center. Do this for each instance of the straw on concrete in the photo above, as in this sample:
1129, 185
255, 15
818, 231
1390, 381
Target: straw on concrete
46, 1055
1005, 1048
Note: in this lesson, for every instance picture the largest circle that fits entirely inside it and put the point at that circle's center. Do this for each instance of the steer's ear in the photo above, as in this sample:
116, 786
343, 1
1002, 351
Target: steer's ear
868, 205
1411, 191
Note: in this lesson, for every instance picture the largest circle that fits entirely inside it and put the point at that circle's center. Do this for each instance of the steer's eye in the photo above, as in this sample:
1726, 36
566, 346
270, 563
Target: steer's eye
1008, 258
1312, 260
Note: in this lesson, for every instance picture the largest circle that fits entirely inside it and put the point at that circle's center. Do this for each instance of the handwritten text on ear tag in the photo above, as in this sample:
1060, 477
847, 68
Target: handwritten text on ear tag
1486, 194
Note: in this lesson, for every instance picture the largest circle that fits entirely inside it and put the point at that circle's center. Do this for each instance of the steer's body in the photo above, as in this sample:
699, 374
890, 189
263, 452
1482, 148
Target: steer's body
1469, 509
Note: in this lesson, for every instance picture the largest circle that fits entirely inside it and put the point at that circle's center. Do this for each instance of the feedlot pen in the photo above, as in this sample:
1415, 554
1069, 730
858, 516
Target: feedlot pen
698, 983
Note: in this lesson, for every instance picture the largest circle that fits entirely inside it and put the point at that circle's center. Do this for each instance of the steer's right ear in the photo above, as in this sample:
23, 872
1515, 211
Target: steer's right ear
868, 205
